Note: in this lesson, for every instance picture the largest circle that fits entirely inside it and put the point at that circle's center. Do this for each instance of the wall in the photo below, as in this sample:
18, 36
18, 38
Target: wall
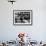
38, 30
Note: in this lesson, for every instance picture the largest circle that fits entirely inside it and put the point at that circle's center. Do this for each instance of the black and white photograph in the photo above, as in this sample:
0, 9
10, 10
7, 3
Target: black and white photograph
22, 17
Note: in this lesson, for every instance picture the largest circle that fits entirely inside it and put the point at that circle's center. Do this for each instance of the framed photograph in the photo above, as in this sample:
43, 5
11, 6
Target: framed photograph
22, 17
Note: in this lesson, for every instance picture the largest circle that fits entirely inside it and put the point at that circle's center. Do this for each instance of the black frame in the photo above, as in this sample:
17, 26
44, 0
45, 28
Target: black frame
24, 24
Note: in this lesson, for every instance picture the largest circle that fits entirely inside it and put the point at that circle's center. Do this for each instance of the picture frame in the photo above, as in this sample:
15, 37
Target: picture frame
22, 17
